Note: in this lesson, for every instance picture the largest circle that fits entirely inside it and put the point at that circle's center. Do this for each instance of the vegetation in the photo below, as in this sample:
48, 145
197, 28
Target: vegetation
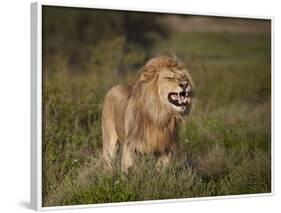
225, 145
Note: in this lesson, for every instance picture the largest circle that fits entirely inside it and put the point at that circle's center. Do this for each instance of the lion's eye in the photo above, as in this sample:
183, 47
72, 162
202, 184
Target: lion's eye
170, 76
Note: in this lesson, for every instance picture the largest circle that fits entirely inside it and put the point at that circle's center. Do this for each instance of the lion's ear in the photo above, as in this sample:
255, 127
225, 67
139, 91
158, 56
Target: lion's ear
146, 73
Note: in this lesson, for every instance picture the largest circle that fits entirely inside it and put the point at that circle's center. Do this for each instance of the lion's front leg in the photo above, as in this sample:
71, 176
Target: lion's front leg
128, 157
164, 160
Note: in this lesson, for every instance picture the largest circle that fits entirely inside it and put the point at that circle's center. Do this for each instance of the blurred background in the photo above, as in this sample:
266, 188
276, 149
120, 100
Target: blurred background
227, 139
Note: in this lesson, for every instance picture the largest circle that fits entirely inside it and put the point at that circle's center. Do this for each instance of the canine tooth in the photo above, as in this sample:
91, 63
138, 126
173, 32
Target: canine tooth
174, 97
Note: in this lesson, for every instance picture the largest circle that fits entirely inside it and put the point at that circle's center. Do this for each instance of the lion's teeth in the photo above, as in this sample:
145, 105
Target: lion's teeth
175, 97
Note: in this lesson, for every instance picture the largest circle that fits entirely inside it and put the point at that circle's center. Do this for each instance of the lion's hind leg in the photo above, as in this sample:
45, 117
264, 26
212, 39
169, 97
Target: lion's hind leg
109, 135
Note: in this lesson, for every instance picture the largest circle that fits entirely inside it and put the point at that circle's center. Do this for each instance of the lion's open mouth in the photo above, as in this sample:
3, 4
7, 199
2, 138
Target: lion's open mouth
178, 99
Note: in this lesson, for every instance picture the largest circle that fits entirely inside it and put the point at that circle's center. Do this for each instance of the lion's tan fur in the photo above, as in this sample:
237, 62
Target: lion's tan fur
135, 117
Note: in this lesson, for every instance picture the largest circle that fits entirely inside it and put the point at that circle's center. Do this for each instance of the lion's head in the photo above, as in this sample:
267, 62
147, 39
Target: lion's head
170, 81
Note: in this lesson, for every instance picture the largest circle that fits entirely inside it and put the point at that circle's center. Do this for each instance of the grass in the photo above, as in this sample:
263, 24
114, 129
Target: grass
225, 146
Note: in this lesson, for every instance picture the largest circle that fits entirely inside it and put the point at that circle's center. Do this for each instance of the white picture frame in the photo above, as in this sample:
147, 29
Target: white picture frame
36, 106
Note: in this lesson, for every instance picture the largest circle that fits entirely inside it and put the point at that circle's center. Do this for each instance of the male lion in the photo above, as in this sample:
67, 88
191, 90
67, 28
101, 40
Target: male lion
144, 118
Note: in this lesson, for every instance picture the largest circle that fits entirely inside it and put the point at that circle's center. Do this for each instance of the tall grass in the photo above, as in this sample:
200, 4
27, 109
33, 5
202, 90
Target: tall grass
225, 144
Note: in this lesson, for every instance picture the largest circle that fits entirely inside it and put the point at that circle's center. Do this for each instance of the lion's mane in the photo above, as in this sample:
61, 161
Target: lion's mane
149, 122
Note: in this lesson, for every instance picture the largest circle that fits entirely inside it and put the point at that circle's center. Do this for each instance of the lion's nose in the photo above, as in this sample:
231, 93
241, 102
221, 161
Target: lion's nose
183, 85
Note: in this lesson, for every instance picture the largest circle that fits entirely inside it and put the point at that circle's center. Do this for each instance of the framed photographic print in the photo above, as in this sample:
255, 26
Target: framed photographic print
133, 106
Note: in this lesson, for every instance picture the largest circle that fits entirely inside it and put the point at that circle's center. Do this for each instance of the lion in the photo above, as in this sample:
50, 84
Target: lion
144, 118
